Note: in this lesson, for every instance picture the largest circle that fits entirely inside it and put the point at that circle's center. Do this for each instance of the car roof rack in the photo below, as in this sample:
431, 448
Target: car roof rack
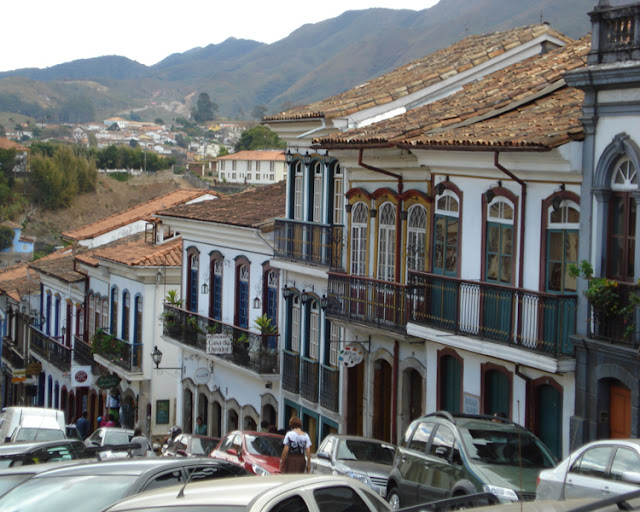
452, 417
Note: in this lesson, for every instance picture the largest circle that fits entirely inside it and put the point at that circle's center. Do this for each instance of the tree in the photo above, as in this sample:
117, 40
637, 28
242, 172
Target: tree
7, 162
158, 120
205, 110
3, 132
6, 237
258, 112
259, 137
223, 151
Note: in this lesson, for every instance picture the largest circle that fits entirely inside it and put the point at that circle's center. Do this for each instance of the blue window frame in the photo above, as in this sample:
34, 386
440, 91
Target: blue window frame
47, 319
57, 317
114, 310
243, 296
193, 283
216, 308
125, 315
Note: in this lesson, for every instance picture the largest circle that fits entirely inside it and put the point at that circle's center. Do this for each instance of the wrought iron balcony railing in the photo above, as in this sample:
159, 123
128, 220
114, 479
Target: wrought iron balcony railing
51, 349
12, 357
309, 242
291, 371
539, 322
622, 326
329, 388
82, 352
615, 34
380, 304
309, 379
127, 356
255, 351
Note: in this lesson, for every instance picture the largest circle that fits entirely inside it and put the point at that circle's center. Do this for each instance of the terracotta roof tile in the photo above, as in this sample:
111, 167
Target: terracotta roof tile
139, 253
9, 144
255, 155
470, 51
17, 281
250, 208
490, 98
62, 267
140, 212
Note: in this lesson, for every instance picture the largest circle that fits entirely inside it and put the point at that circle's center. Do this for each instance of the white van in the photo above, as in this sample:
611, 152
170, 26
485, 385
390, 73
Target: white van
31, 424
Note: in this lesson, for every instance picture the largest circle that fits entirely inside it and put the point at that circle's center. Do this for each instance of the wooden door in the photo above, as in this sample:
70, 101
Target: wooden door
354, 406
619, 412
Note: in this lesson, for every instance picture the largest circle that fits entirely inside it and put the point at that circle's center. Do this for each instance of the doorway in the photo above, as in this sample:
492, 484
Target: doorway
354, 405
382, 398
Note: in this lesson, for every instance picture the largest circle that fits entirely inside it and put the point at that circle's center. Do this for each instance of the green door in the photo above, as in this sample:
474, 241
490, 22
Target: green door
497, 303
450, 383
444, 293
497, 393
549, 421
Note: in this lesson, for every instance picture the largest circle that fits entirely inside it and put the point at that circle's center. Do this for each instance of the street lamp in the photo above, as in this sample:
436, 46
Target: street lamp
156, 355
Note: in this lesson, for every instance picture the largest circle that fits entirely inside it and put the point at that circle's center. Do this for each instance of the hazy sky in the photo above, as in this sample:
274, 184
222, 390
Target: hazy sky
43, 33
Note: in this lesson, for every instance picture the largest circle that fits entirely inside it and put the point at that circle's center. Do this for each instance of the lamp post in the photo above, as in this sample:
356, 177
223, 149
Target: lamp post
156, 355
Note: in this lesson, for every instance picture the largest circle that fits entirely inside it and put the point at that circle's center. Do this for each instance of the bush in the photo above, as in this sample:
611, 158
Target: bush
119, 176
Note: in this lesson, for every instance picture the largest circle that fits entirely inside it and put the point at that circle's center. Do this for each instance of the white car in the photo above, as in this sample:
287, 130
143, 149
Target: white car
118, 439
596, 470
273, 493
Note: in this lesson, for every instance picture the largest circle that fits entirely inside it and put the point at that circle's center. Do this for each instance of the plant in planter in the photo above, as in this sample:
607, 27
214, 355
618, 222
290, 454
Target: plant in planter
107, 346
172, 299
267, 355
605, 298
241, 349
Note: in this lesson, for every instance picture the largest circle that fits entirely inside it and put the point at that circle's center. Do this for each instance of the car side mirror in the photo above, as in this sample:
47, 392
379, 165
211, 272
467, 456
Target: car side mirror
632, 477
323, 455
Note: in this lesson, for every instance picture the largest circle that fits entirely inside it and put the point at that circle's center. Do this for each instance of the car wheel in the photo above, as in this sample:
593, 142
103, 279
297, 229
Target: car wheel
394, 499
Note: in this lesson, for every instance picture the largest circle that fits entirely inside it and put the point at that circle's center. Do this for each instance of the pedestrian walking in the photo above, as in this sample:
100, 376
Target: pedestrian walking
296, 454
82, 424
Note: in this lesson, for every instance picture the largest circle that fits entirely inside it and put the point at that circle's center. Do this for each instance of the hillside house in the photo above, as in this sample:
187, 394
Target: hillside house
252, 167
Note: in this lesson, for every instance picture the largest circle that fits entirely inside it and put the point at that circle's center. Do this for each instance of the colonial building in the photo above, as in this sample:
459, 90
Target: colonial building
251, 167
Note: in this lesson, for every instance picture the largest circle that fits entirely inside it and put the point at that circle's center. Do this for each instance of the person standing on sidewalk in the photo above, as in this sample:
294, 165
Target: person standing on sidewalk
296, 454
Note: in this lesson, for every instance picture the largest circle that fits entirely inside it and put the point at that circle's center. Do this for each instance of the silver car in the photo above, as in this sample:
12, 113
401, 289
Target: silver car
367, 460
596, 470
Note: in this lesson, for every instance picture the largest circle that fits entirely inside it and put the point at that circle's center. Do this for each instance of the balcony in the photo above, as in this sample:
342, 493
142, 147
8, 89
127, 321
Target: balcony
127, 356
255, 351
329, 388
291, 371
309, 379
309, 242
50, 349
12, 357
366, 301
538, 322
615, 34
621, 327
82, 353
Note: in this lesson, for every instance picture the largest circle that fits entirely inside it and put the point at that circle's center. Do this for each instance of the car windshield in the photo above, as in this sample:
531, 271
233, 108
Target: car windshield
188, 508
366, 451
116, 437
271, 446
71, 494
8, 482
508, 447
201, 446
39, 434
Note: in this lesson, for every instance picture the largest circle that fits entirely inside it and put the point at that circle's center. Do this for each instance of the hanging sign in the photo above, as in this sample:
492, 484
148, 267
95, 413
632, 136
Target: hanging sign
351, 355
81, 376
108, 381
202, 376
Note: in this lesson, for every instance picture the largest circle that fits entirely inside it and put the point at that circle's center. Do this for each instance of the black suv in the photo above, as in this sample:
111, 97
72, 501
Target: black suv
445, 455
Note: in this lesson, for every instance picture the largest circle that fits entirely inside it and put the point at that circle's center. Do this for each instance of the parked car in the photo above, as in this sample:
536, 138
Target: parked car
257, 452
367, 460
92, 487
119, 439
444, 455
35, 423
595, 470
191, 445
318, 493
24, 454
72, 432
15, 475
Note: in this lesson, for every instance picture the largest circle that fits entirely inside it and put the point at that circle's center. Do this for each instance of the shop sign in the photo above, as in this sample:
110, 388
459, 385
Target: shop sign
33, 369
81, 376
219, 344
202, 376
16, 380
108, 381
351, 355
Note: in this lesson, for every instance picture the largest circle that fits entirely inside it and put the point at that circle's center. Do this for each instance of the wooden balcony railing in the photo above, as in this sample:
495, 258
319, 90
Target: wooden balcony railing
368, 301
615, 34
309, 242
329, 388
539, 322
291, 371
82, 353
12, 357
255, 351
127, 356
623, 327
309, 379
51, 349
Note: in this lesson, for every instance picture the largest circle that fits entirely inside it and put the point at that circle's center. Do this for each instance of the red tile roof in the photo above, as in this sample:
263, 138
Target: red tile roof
499, 110
9, 144
17, 281
250, 208
255, 155
420, 74
138, 253
140, 212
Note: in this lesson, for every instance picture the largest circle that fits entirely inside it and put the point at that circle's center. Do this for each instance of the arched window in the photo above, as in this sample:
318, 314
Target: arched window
446, 234
416, 237
91, 314
313, 330
242, 296
359, 219
298, 181
338, 194
621, 242
295, 323
192, 278
499, 242
56, 330
104, 310
216, 288
563, 224
137, 319
387, 242
114, 310
272, 297
47, 318
125, 315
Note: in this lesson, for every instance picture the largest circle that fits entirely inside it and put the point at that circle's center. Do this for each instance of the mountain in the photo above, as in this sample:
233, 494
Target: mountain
313, 62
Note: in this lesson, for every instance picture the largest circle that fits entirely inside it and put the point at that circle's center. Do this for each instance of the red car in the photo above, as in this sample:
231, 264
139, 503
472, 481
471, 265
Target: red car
257, 452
